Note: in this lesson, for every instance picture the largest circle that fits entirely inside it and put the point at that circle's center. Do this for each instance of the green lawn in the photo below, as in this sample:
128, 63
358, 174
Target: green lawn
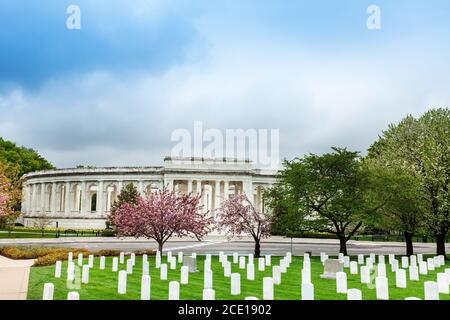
103, 283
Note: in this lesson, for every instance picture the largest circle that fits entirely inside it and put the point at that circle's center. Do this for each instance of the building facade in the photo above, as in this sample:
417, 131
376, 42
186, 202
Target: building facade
82, 197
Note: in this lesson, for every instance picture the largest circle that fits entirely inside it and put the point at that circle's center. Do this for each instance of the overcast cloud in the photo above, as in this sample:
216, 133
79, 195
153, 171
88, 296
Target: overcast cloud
113, 93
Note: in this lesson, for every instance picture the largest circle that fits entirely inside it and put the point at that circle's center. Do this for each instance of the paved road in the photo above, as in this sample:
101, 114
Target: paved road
275, 246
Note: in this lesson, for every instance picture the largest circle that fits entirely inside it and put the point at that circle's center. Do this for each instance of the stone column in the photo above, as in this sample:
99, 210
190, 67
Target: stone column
33, 199
189, 186
169, 184
100, 198
248, 190
120, 186
217, 195
84, 198
141, 187
226, 190
53, 199
199, 187
67, 204
42, 204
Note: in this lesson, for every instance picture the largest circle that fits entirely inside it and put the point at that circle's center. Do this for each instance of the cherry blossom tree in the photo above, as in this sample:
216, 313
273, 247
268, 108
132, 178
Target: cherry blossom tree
9, 196
162, 215
238, 216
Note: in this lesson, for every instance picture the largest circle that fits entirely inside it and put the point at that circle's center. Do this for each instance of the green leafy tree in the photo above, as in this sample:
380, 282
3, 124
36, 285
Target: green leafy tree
130, 195
403, 205
25, 159
422, 147
327, 193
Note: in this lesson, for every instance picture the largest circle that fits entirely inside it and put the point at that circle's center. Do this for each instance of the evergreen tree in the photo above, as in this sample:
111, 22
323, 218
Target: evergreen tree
130, 195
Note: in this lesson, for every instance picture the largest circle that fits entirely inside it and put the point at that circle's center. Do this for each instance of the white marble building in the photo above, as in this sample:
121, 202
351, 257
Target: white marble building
82, 198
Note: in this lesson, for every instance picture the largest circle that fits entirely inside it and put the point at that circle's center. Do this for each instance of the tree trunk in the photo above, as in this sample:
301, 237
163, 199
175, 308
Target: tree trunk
440, 245
160, 247
409, 243
257, 249
342, 245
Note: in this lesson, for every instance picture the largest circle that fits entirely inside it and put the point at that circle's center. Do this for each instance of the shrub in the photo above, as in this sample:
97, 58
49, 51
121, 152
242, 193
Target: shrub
107, 253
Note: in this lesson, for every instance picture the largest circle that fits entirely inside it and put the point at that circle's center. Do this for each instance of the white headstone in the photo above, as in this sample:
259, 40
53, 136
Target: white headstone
447, 271
49, 288
307, 291
163, 271
306, 257
443, 283
391, 257
353, 267
80, 259
174, 290
85, 274
145, 268
331, 266
437, 262
360, 259
267, 288
58, 267
354, 294
145, 287
180, 257
400, 278
405, 262
307, 264
227, 269
144, 258
346, 262
381, 269
412, 298
251, 298
235, 257
115, 264
306, 275
184, 276
289, 257
133, 258
394, 265
365, 274
122, 257
268, 260
372, 257
191, 262
261, 264
70, 256
169, 256
91, 261
208, 279
157, 261
173, 263
341, 282
242, 262
341, 257
71, 271
413, 260
283, 265
235, 284
413, 273
250, 271
423, 267
122, 285
194, 255
209, 294
250, 258
382, 288
73, 295
129, 266
431, 290
430, 264
369, 262
207, 264
276, 274
419, 257
102, 263
381, 259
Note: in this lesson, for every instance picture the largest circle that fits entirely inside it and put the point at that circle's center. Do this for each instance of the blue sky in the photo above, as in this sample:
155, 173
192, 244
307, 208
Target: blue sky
112, 92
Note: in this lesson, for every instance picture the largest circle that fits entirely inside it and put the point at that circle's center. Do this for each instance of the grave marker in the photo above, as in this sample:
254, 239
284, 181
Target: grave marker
102, 263
431, 290
122, 257
261, 264
145, 268
80, 259
58, 267
307, 291
235, 257
382, 288
430, 264
184, 277
235, 284
360, 259
85, 274
306, 275
331, 267
268, 260
341, 282
354, 294
423, 267
353, 267
276, 274
73, 295
413, 273
443, 283
250, 271
365, 274
145, 287
180, 257
122, 285
91, 261
209, 294
173, 263
208, 279
241, 262
400, 278
115, 264
227, 269
49, 288
191, 262
174, 290
129, 266
381, 270
71, 271
163, 271
267, 288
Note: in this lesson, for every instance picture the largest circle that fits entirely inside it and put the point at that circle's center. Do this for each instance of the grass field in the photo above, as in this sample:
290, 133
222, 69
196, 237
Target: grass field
103, 283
